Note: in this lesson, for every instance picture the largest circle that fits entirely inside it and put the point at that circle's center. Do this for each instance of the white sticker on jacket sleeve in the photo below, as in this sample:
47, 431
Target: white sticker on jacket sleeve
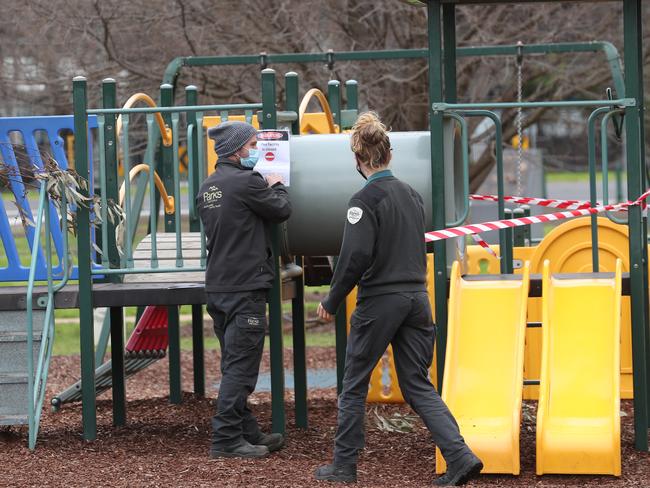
354, 215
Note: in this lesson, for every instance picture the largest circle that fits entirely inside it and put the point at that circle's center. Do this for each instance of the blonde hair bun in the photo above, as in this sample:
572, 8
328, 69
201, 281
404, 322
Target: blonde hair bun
370, 141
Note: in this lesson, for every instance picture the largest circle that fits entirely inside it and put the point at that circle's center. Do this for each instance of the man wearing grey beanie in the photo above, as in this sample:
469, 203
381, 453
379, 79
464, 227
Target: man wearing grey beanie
237, 205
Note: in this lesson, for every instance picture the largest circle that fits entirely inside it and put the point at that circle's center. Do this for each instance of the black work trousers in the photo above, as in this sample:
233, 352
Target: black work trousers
240, 325
403, 320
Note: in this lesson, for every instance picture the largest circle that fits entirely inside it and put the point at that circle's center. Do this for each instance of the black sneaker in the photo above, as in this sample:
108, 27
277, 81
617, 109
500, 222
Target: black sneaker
460, 472
273, 442
343, 473
243, 450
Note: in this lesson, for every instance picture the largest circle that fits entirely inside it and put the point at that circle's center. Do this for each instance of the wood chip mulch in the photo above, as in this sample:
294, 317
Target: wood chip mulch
167, 445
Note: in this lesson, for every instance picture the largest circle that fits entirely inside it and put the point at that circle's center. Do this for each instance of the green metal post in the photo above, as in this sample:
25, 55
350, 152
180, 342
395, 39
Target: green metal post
593, 195
527, 232
298, 303
109, 192
299, 350
519, 232
198, 347
334, 99
109, 97
510, 241
619, 182
278, 421
173, 331
644, 185
167, 169
635, 179
88, 406
449, 39
167, 176
192, 98
117, 365
198, 350
115, 317
437, 180
292, 101
352, 95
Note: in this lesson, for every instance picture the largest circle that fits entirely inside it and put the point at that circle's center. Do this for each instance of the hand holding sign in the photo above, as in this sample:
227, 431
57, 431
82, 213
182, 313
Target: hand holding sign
273, 146
272, 179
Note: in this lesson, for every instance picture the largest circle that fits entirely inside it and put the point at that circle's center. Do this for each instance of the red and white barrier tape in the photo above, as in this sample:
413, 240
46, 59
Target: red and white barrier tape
484, 245
472, 229
539, 202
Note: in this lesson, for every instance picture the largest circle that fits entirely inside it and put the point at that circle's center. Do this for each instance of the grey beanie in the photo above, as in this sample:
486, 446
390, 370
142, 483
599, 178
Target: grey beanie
230, 136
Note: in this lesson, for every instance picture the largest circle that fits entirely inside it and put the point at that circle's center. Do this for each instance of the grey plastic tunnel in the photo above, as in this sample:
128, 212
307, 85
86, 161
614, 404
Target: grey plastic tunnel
323, 178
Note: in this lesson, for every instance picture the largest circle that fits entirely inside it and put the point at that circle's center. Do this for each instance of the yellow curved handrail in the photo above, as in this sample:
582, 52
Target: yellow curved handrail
315, 92
165, 131
168, 201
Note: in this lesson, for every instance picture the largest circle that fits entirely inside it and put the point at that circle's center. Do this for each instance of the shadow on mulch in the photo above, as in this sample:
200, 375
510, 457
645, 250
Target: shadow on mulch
167, 445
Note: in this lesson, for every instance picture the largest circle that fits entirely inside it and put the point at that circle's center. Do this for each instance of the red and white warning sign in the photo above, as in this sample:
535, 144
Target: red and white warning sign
273, 146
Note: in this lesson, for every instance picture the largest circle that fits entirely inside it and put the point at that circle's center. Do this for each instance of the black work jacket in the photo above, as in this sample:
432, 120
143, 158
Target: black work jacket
237, 206
383, 248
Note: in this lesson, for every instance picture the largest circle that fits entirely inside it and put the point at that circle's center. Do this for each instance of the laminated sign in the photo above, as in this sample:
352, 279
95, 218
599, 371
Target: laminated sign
273, 147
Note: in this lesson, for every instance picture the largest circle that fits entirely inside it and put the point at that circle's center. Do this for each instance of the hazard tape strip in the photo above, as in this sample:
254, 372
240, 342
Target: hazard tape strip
485, 245
539, 202
536, 219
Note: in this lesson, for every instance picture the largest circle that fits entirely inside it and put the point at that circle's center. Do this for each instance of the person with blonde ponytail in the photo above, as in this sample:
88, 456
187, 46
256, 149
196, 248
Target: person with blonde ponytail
383, 252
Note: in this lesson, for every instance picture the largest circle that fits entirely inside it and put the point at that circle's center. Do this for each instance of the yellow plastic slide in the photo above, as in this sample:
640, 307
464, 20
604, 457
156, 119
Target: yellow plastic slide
484, 364
578, 417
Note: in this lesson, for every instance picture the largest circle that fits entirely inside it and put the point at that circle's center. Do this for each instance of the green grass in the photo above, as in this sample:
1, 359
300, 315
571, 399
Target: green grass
66, 337
66, 340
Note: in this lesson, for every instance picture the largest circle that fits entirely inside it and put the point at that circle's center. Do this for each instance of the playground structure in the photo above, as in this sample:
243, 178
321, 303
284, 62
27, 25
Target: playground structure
112, 280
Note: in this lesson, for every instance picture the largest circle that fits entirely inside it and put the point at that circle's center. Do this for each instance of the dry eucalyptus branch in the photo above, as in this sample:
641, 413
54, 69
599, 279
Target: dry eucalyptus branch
64, 188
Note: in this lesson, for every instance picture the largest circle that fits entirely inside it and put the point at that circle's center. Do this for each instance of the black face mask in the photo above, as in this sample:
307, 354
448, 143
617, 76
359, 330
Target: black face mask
361, 173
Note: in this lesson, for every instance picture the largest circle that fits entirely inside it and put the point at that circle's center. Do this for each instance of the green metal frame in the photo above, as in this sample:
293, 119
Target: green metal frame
505, 244
442, 26
291, 83
87, 346
605, 166
610, 52
438, 178
198, 347
637, 222
269, 121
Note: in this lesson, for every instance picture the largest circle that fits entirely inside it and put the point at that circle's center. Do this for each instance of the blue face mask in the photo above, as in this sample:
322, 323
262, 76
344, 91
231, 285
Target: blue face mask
251, 160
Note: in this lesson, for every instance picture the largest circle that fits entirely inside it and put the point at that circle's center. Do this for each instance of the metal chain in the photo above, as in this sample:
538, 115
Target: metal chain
519, 124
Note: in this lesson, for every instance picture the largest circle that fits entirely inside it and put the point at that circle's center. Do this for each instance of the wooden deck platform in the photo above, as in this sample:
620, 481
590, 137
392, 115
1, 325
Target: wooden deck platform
177, 288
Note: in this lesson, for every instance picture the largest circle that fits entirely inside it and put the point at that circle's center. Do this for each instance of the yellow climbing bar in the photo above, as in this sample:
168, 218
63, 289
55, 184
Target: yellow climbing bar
168, 201
484, 363
311, 121
165, 131
578, 417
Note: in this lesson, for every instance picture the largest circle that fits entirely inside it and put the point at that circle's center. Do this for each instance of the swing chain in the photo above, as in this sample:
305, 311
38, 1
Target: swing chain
519, 118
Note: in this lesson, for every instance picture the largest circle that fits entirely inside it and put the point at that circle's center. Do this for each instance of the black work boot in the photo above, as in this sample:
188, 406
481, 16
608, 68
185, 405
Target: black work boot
461, 471
242, 449
273, 442
343, 473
